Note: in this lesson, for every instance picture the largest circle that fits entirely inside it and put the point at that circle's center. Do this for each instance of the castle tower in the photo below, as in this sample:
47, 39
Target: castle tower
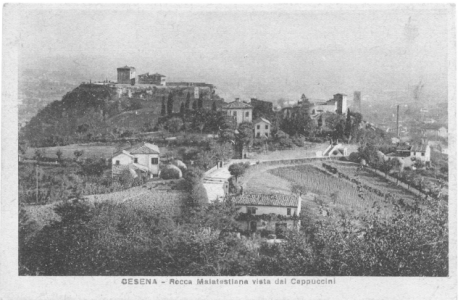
341, 103
126, 74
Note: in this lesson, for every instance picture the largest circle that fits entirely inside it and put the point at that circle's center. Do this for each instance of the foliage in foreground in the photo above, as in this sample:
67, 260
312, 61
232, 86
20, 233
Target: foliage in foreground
108, 239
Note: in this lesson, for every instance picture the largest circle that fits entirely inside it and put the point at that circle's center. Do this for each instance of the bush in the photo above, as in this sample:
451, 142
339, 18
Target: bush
298, 141
171, 172
354, 157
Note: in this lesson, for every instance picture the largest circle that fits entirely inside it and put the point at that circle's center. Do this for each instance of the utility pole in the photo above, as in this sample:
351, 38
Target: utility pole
398, 108
36, 180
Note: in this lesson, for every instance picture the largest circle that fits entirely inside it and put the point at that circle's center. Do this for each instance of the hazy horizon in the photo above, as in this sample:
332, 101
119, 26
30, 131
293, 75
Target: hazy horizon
269, 52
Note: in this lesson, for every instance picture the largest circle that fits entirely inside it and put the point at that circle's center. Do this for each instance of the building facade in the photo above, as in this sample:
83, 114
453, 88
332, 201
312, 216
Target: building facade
341, 103
239, 110
155, 79
126, 75
261, 128
268, 211
143, 157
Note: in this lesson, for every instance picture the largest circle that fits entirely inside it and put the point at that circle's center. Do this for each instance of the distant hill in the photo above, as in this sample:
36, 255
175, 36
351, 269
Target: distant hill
97, 111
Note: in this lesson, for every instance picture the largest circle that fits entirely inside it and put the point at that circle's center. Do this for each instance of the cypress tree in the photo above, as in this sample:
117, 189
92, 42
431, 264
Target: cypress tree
195, 105
170, 104
163, 106
214, 106
200, 102
348, 126
182, 108
187, 103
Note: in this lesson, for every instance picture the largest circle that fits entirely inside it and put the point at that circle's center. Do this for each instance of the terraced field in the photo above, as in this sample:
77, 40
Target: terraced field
373, 180
331, 191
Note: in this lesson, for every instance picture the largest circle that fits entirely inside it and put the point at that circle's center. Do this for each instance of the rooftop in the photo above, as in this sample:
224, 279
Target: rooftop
261, 120
237, 104
279, 200
144, 148
126, 68
419, 148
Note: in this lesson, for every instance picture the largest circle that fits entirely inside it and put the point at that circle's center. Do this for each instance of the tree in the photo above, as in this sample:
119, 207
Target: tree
170, 104
226, 122
78, 153
195, 105
221, 151
174, 125
59, 154
245, 135
182, 109
386, 166
227, 135
419, 164
193, 179
348, 125
163, 106
200, 102
39, 154
187, 103
214, 106
238, 169
22, 147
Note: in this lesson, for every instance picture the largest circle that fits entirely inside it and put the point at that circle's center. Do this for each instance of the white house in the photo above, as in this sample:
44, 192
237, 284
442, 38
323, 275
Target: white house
144, 157
435, 130
268, 211
409, 154
239, 110
261, 127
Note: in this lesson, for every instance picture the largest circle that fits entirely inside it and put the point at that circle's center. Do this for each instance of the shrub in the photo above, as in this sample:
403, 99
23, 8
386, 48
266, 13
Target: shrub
298, 141
171, 172
238, 169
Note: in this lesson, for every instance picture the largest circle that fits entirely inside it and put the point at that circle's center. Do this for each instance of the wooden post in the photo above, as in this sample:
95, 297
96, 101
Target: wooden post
36, 179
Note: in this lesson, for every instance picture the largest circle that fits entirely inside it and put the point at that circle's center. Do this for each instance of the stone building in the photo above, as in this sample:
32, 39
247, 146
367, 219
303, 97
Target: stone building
155, 79
143, 157
261, 127
126, 75
239, 110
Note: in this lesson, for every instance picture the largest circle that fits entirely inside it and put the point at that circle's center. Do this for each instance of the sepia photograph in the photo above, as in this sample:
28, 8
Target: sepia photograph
231, 145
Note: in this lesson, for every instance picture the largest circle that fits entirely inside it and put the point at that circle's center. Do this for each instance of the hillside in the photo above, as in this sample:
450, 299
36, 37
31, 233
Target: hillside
97, 111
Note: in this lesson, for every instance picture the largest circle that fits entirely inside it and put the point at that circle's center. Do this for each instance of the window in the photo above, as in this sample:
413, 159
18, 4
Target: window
117, 162
289, 211
422, 154
154, 161
258, 134
136, 160
251, 210
266, 126
258, 126
234, 113
247, 114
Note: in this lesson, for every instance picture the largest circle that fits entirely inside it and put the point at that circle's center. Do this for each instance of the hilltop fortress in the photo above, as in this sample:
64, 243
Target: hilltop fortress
130, 85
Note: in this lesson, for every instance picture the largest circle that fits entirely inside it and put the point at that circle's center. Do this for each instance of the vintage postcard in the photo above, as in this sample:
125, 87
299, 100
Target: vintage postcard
229, 151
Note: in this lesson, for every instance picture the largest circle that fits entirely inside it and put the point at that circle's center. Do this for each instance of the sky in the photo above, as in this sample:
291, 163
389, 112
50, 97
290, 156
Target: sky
269, 52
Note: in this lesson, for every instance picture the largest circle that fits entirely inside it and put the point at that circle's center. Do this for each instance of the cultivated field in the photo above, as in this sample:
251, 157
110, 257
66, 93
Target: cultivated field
373, 180
159, 200
332, 192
